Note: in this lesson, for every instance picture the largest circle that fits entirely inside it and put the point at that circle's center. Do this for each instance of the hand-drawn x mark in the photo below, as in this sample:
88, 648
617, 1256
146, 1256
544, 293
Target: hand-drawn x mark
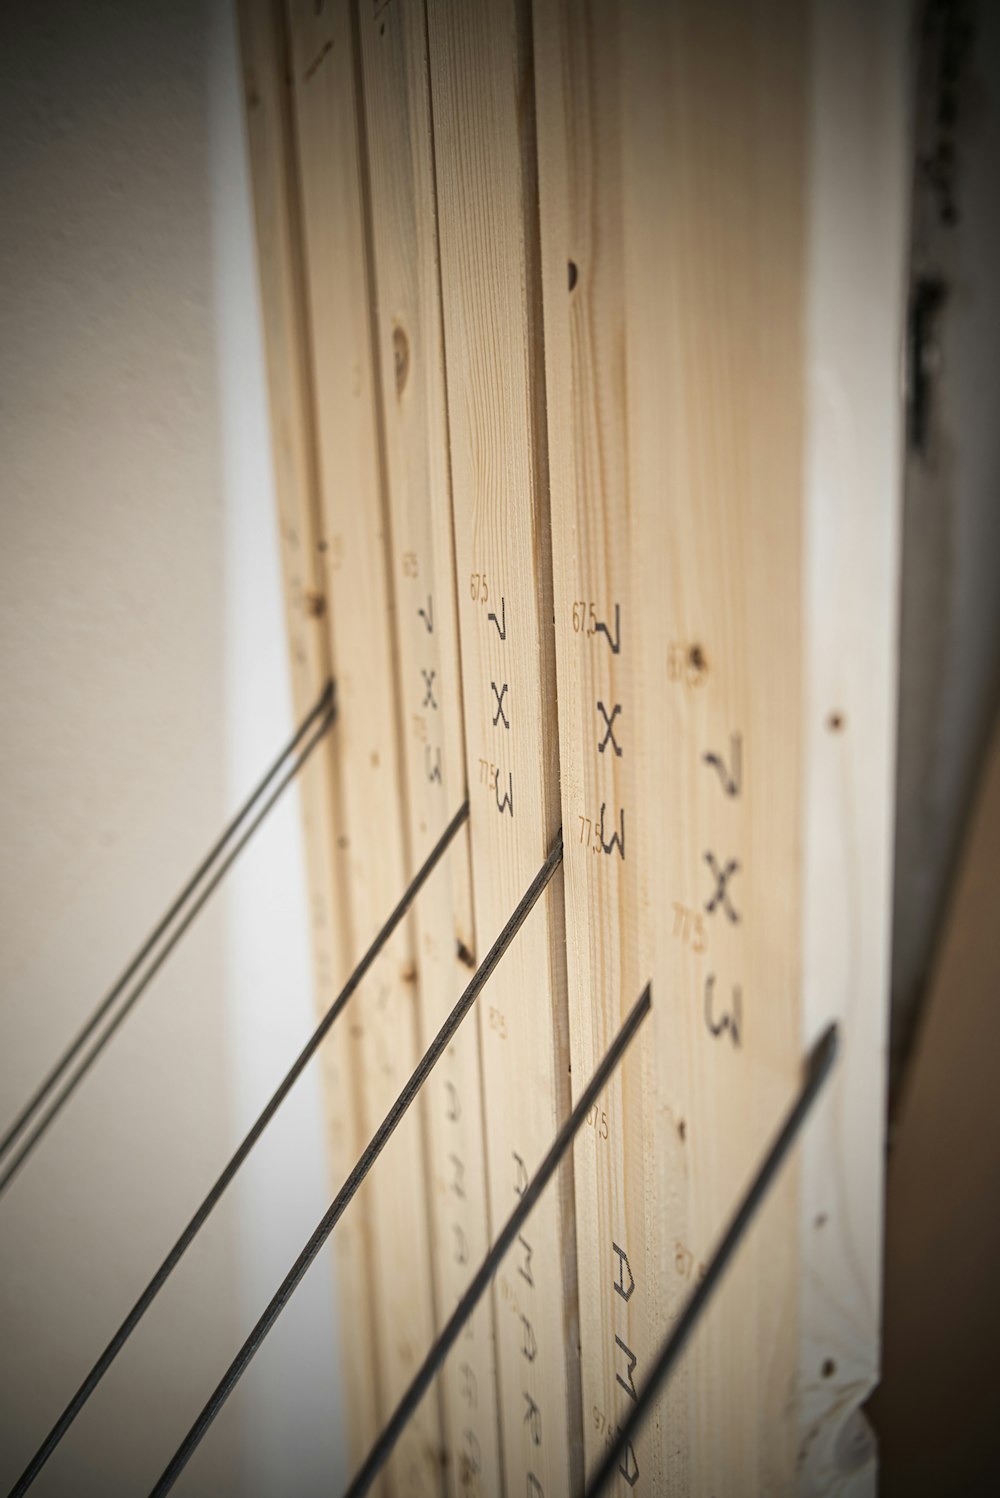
499, 697
722, 877
609, 732
429, 684
501, 626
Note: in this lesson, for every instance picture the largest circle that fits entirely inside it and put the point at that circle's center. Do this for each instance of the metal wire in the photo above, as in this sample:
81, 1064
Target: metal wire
172, 1259
382, 1448
818, 1066
381, 1137
325, 709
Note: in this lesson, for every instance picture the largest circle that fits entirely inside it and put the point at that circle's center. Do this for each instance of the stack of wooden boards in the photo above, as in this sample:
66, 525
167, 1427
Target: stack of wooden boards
583, 327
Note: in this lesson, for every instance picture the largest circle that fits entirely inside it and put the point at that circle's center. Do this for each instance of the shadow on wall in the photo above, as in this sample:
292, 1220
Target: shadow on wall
144, 689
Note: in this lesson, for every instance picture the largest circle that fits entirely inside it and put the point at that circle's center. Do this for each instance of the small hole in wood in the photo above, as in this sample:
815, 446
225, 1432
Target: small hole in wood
682, 1130
571, 268
835, 722
401, 357
829, 1368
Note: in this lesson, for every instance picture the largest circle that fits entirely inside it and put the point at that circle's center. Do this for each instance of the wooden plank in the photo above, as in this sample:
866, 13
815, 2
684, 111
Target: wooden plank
408, 319
714, 146
384, 1019
481, 87
623, 1157
684, 151
860, 166
301, 536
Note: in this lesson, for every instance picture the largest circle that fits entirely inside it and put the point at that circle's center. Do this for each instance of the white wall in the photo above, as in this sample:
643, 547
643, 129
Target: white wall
142, 690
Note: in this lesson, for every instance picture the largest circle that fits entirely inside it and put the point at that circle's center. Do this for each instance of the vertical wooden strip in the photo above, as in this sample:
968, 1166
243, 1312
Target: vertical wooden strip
672, 149
408, 319
481, 83
276, 215
714, 196
858, 233
384, 1020
624, 1161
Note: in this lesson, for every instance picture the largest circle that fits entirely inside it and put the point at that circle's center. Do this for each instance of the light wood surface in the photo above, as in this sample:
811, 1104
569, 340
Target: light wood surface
709, 337
609, 445
485, 157
701, 128
395, 1203
408, 319
621, 1157
285, 321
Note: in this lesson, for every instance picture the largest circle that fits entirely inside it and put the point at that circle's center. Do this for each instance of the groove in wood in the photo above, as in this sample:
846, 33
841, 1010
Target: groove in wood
408, 318
302, 543
480, 65
395, 1203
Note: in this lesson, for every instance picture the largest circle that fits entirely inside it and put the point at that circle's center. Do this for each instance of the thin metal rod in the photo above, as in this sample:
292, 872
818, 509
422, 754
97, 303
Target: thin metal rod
127, 1005
345, 1195
159, 1279
818, 1066
323, 705
382, 1448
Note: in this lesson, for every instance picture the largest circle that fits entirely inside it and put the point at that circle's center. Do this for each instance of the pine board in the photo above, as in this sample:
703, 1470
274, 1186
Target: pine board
300, 528
621, 1156
414, 416
395, 1203
718, 247
695, 162
485, 160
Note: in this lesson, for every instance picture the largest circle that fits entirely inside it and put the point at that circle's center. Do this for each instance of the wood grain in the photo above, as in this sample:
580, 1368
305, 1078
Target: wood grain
672, 151
720, 370
384, 1020
286, 342
480, 66
685, 293
714, 183
414, 416
622, 1159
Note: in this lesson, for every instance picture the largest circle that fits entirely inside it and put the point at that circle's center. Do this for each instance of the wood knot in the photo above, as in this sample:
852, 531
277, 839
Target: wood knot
315, 605
696, 661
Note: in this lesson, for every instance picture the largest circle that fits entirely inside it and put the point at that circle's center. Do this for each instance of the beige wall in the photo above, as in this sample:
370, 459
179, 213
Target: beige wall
137, 704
